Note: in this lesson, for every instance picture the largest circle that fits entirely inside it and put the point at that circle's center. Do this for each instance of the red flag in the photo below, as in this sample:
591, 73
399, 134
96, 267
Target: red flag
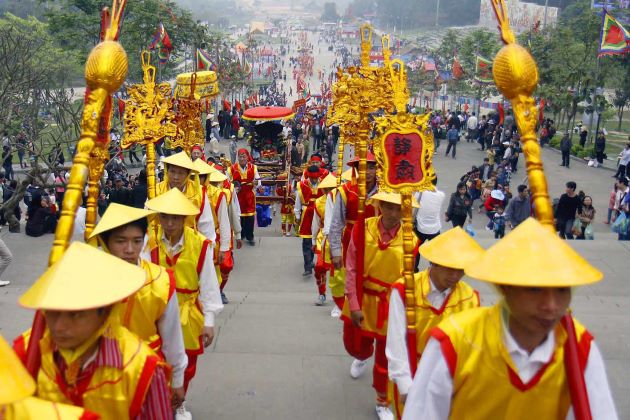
121, 108
541, 111
458, 71
501, 113
238, 106
226, 105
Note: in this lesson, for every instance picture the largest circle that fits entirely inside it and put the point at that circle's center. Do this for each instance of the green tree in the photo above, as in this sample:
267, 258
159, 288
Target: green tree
75, 24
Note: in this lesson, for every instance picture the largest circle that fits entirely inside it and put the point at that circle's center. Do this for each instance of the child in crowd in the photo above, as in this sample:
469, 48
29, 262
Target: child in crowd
611, 203
499, 223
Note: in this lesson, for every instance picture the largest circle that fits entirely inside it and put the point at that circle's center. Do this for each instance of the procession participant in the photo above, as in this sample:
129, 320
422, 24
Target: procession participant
365, 322
337, 278
189, 254
219, 200
319, 241
152, 313
87, 358
287, 218
307, 193
246, 174
439, 292
177, 171
516, 350
196, 152
17, 388
345, 212
215, 200
316, 159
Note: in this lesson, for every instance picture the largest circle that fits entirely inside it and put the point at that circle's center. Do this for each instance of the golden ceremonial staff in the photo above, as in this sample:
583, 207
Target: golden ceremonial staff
516, 76
105, 72
404, 152
149, 117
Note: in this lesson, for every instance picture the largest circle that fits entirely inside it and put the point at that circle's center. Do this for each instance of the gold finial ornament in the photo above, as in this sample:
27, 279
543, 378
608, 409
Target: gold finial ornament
516, 76
106, 66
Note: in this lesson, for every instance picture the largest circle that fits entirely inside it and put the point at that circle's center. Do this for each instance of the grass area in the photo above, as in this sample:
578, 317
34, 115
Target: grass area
616, 140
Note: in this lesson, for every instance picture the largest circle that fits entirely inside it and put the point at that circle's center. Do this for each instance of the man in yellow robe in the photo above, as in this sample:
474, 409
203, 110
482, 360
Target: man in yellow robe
439, 292
519, 358
87, 358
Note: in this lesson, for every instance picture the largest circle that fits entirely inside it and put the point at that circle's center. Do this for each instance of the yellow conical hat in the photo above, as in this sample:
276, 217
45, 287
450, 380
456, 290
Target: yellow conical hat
394, 198
173, 202
534, 256
202, 167
329, 182
347, 175
118, 215
453, 248
84, 278
15, 382
217, 176
180, 159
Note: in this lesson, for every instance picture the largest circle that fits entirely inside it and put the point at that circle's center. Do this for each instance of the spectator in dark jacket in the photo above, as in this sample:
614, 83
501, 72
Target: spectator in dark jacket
565, 147
459, 206
600, 147
519, 208
120, 194
41, 218
568, 205
139, 191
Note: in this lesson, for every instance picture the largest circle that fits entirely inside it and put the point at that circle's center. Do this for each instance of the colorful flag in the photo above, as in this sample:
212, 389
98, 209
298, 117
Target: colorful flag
541, 111
162, 43
483, 70
614, 39
204, 62
501, 113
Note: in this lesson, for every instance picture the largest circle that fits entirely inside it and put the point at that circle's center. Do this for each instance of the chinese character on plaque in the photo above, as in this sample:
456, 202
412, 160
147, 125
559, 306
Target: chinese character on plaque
403, 158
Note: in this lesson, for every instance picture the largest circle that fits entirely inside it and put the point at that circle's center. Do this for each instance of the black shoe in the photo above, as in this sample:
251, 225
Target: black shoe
307, 273
224, 299
252, 242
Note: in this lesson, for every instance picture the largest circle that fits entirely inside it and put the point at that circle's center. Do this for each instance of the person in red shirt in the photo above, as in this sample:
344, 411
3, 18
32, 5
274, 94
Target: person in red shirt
235, 124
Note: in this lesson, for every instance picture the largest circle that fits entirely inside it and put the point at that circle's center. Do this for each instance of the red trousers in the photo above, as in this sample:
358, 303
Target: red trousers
191, 369
361, 347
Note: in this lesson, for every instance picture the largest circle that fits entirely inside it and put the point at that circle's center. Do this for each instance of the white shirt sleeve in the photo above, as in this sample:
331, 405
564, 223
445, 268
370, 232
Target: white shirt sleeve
599, 396
209, 294
205, 225
396, 347
256, 177
235, 217
224, 225
315, 227
297, 209
328, 212
432, 389
170, 330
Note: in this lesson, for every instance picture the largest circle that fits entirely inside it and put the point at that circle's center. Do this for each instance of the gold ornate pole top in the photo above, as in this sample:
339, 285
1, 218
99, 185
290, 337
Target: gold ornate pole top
399, 84
387, 53
366, 44
516, 76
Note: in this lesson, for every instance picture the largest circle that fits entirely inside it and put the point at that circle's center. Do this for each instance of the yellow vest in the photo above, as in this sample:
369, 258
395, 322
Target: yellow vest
187, 266
462, 297
33, 408
381, 268
485, 385
112, 392
141, 312
192, 193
